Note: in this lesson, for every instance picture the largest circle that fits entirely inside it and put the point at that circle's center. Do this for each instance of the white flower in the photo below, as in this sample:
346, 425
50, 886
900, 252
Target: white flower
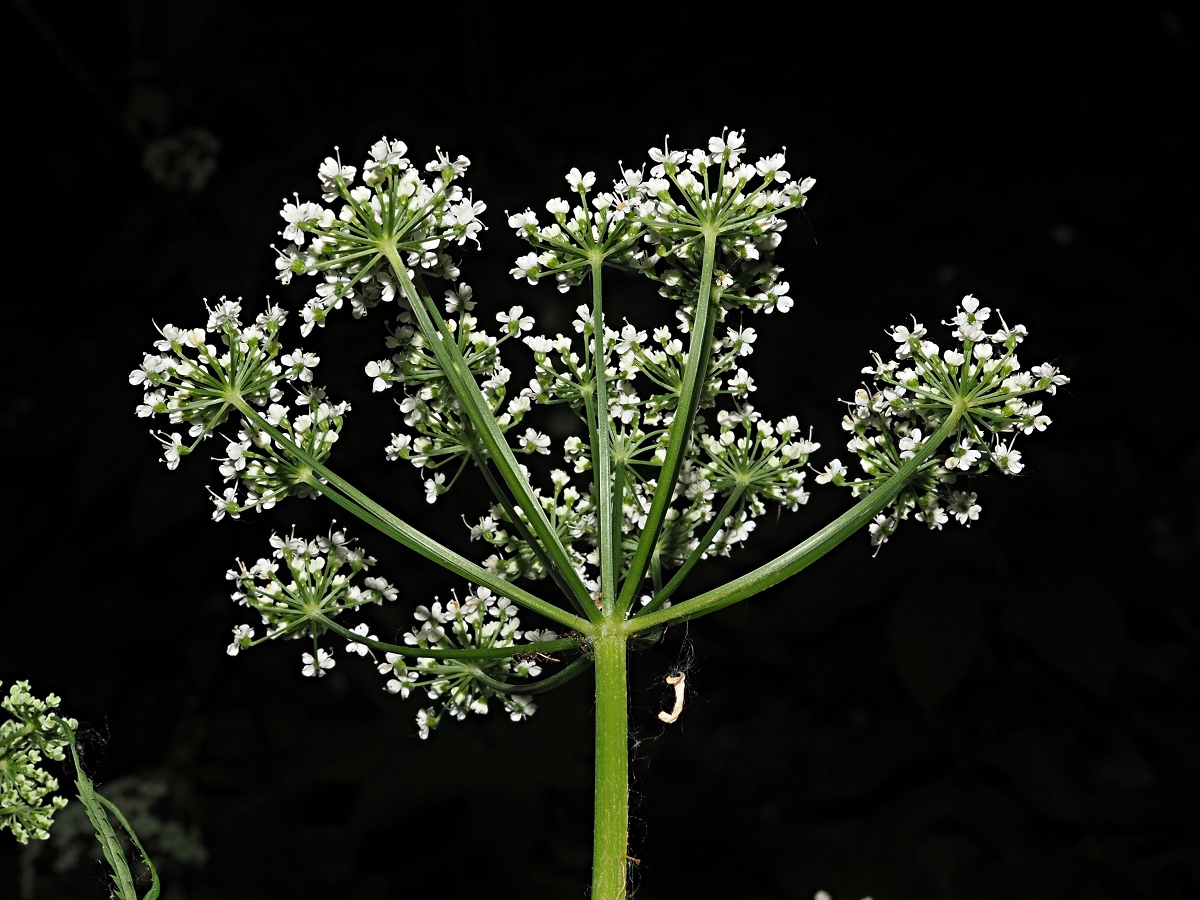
881, 530
1032, 420
910, 443
535, 442
901, 334
1050, 374
425, 721
486, 526
294, 214
964, 507
382, 587
580, 182
1008, 459
226, 505
728, 146
667, 161
301, 363
241, 636
772, 166
933, 516
741, 384
1016, 334
354, 646
381, 371
235, 460
964, 456
742, 339
832, 471
457, 168
520, 707
527, 267
330, 171
434, 486
173, 449
524, 223
317, 666
515, 321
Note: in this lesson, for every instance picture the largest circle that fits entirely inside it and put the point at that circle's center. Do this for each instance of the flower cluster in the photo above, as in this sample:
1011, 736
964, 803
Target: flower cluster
315, 588
577, 235
482, 621
980, 380
716, 187
305, 585
395, 209
429, 405
198, 376
572, 516
654, 224
265, 468
645, 375
747, 462
687, 194
26, 807
764, 461
657, 225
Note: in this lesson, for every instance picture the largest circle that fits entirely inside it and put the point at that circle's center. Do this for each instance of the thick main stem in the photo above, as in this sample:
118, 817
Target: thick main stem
611, 841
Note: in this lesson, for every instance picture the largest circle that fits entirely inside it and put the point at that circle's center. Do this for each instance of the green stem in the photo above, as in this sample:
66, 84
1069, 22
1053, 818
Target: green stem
441, 341
611, 835
573, 670
602, 448
805, 553
114, 853
366, 510
679, 436
155, 885
618, 517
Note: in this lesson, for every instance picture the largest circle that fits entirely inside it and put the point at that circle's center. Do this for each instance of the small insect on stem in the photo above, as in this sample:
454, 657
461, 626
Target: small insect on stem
584, 647
533, 655
678, 682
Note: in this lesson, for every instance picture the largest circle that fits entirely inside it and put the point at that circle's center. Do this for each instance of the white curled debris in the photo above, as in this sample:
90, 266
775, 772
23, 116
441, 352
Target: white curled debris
678, 682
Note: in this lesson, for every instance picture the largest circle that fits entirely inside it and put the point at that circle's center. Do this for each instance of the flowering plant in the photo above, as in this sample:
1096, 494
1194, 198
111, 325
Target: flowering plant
32, 734
671, 464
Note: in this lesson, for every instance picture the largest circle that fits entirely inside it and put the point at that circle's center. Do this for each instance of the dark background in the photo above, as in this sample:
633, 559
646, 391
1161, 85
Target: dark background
1003, 712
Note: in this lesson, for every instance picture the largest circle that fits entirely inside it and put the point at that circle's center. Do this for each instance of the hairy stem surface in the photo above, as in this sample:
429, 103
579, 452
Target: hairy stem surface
611, 838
